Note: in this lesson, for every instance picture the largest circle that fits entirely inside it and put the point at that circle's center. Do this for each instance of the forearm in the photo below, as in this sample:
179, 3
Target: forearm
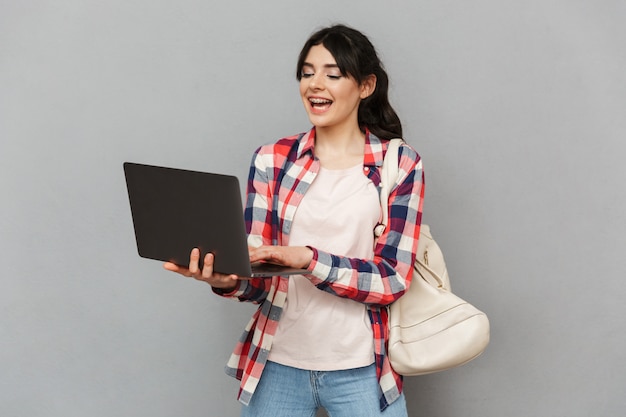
384, 278
374, 282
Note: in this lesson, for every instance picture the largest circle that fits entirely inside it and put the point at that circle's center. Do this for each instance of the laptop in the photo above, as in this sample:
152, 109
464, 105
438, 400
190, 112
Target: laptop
176, 210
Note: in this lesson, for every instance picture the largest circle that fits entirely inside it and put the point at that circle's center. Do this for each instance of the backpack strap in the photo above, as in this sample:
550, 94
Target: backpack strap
388, 179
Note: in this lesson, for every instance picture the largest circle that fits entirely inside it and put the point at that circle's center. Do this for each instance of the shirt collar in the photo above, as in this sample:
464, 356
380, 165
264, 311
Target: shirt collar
307, 143
373, 150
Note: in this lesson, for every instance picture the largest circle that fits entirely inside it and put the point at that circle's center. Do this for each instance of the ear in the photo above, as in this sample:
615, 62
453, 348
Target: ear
368, 86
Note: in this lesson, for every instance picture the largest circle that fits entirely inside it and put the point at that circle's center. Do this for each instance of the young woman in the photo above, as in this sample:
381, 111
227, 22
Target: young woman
318, 340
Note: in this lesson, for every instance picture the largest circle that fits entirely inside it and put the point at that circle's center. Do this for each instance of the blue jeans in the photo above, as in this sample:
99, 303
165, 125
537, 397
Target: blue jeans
290, 392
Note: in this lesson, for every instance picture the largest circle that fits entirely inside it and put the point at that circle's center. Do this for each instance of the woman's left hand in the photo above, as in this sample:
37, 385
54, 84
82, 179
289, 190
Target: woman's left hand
293, 256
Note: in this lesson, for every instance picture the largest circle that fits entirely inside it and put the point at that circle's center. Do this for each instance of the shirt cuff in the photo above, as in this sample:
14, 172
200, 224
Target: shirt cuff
320, 266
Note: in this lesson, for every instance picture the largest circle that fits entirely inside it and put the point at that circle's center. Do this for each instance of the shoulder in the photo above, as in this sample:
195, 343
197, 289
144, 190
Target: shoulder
288, 147
280, 147
407, 152
411, 172
279, 155
407, 155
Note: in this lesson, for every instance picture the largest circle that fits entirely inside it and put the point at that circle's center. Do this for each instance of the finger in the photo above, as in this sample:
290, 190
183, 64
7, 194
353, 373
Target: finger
170, 266
207, 268
176, 268
229, 282
194, 259
262, 253
256, 253
271, 254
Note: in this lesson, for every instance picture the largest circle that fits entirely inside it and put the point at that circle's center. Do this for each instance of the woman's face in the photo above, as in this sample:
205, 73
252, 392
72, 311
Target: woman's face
330, 98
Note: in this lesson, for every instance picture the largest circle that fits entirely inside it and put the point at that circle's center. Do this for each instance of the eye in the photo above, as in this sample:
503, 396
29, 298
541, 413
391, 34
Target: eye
334, 77
306, 75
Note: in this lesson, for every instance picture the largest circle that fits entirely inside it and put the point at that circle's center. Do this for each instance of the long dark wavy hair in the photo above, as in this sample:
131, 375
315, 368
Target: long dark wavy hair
356, 57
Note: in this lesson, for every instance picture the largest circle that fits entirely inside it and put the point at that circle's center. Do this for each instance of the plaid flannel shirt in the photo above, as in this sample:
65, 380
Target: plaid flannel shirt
280, 175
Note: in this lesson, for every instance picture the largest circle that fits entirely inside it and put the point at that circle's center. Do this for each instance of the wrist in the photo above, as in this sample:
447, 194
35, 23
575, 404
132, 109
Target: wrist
225, 291
311, 255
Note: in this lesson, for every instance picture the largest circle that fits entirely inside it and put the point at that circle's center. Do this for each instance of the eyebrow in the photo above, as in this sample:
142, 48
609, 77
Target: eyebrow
307, 64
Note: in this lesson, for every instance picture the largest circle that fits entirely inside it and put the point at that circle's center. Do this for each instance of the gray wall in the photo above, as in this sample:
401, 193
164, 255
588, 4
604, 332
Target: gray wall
518, 109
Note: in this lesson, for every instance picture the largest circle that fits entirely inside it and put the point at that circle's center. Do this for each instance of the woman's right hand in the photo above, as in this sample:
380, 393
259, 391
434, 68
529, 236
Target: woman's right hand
205, 272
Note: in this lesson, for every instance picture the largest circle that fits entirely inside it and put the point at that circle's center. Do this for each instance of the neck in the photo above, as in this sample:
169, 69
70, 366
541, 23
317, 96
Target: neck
339, 148
339, 139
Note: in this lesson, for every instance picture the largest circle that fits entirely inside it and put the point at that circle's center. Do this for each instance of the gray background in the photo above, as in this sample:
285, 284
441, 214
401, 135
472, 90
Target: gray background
518, 109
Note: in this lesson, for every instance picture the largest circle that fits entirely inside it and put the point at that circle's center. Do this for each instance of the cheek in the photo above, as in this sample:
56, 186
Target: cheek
303, 87
348, 97
348, 91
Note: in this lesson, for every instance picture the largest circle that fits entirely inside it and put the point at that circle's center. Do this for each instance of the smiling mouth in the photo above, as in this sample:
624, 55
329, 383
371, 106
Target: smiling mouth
320, 103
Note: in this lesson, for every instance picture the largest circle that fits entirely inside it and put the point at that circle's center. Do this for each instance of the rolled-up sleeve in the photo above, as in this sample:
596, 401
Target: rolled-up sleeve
385, 278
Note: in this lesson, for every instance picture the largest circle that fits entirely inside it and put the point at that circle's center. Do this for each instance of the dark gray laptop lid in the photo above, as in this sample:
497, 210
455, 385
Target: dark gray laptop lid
175, 210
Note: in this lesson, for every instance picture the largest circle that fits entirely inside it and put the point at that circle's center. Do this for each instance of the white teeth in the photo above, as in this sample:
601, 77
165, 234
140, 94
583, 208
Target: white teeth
319, 101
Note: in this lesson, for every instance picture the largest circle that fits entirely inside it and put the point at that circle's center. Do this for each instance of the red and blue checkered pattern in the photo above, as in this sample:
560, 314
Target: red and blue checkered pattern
280, 175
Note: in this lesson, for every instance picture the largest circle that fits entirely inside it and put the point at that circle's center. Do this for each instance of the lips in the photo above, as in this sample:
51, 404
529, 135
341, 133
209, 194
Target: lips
319, 104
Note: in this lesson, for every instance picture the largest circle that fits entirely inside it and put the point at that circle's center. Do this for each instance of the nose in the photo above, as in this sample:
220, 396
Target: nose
316, 82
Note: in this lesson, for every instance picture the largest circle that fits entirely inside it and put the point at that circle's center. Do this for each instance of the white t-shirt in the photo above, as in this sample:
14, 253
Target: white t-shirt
317, 330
